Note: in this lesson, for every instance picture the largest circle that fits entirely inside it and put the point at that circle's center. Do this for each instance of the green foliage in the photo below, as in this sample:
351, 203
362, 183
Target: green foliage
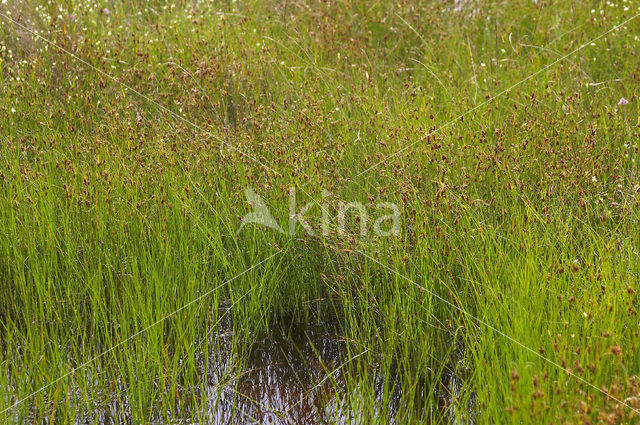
519, 200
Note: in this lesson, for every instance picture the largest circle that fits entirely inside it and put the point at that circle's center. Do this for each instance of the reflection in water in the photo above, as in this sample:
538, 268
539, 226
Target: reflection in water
297, 376
288, 378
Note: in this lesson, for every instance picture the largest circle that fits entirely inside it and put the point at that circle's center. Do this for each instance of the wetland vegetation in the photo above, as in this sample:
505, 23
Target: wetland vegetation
505, 132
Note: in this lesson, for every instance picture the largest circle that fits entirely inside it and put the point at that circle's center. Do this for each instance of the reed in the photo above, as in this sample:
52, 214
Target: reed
509, 295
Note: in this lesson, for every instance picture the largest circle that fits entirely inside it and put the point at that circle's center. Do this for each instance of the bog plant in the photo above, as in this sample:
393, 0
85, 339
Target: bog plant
129, 132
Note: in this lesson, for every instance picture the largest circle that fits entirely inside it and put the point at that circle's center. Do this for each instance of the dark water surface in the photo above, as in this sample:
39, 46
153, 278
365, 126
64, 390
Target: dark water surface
297, 375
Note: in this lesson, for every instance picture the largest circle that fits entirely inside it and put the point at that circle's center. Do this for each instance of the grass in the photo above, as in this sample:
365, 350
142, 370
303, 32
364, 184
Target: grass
521, 214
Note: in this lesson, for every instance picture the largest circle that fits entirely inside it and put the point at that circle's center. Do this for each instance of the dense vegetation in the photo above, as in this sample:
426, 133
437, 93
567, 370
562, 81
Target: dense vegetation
131, 129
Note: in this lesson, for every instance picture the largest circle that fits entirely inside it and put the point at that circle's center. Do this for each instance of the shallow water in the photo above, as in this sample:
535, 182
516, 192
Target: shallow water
288, 378
298, 376
293, 376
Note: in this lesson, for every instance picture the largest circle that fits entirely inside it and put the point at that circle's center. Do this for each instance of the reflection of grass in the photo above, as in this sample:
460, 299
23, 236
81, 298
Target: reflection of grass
524, 213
